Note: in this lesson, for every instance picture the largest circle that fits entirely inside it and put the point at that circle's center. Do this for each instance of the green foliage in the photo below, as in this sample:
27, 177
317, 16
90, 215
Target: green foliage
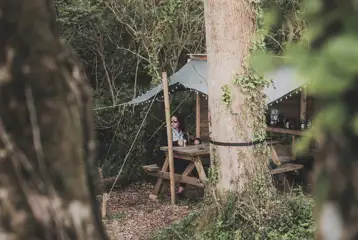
214, 168
252, 83
163, 31
256, 214
113, 39
226, 94
285, 22
180, 230
328, 63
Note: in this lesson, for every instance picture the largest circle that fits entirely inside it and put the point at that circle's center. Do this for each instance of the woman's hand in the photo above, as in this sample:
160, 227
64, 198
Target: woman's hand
181, 142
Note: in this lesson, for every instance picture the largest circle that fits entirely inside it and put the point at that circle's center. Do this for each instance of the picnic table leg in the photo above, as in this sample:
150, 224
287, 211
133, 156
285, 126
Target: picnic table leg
188, 169
160, 179
286, 183
274, 156
200, 169
104, 195
293, 147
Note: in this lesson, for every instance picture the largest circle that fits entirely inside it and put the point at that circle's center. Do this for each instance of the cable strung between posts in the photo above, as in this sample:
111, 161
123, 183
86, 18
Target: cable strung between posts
114, 135
130, 149
107, 107
235, 144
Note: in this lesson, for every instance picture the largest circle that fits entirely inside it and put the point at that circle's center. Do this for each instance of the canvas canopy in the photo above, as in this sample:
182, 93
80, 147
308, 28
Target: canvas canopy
193, 75
284, 81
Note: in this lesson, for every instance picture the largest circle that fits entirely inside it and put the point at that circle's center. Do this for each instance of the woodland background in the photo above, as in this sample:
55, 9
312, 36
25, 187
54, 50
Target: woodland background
125, 45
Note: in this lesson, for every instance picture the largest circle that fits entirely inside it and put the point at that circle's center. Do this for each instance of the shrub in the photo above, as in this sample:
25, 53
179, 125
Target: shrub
259, 213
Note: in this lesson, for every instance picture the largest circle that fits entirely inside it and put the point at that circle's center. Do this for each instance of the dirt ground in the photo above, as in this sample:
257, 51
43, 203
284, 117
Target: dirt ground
132, 216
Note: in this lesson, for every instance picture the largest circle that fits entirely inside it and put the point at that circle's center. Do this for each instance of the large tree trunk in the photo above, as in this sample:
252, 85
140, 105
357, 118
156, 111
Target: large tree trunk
46, 131
230, 25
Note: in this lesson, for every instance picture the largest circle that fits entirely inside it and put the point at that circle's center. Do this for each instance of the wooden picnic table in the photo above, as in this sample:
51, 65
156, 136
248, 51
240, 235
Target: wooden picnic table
193, 154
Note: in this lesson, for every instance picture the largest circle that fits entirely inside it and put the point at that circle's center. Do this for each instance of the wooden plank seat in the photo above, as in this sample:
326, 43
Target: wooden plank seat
151, 168
284, 166
288, 167
282, 158
282, 172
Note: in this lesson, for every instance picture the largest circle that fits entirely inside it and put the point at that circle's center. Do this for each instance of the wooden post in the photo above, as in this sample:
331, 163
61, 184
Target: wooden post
104, 196
303, 105
169, 135
303, 117
293, 149
197, 109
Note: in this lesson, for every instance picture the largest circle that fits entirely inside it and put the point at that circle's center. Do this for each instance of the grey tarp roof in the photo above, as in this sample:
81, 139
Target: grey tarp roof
285, 80
193, 75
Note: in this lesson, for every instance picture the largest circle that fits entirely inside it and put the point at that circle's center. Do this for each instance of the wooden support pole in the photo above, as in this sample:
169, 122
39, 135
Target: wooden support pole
303, 105
303, 117
169, 135
197, 117
104, 196
293, 149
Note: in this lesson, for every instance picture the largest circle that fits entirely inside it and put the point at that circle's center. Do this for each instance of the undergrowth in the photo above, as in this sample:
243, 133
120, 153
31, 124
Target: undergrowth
258, 213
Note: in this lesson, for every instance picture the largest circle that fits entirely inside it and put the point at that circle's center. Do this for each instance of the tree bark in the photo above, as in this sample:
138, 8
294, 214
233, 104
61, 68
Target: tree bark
230, 25
47, 141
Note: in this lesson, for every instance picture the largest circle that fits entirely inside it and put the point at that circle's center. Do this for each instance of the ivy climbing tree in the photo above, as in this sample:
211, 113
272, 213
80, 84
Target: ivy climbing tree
236, 103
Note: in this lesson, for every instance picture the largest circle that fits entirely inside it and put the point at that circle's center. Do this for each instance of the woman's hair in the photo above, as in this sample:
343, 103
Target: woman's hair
180, 121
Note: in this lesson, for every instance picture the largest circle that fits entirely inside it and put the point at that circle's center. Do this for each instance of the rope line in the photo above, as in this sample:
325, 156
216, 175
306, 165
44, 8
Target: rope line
114, 135
130, 149
107, 107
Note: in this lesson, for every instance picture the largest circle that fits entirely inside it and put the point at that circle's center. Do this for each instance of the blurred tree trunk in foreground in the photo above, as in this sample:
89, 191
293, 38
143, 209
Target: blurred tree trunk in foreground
47, 142
336, 80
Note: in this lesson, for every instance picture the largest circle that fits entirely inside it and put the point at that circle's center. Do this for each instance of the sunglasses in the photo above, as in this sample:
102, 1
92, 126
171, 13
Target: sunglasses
174, 121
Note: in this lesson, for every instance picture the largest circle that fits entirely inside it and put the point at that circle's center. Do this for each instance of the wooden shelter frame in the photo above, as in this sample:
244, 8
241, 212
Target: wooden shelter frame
282, 168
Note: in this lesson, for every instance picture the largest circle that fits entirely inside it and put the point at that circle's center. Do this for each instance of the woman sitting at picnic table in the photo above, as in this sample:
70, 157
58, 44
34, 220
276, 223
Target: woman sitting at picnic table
181, 139
178, 132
